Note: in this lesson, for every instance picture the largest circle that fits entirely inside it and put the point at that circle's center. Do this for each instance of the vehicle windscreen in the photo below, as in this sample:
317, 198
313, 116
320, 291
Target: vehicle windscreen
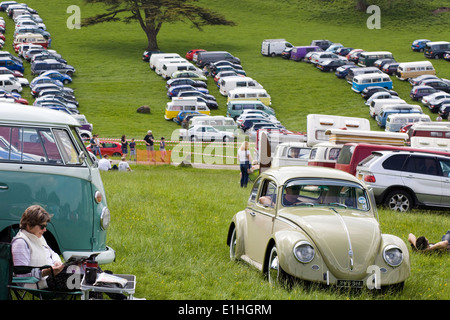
325, 192
38, 145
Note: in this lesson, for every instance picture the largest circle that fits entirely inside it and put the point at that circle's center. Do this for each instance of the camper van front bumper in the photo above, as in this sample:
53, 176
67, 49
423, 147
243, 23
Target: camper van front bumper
104, 257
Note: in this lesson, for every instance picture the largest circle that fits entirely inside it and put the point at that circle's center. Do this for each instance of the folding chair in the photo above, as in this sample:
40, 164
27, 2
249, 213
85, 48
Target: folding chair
10, 284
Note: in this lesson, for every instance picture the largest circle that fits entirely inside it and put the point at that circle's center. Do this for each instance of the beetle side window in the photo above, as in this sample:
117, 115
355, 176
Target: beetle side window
254, 191
268, 194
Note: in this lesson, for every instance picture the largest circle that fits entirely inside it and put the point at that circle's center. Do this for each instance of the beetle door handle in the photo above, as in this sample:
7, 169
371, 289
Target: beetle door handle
252, 213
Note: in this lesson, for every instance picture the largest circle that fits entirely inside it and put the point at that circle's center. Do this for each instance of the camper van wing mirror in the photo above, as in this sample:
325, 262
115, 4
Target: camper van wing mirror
81, 157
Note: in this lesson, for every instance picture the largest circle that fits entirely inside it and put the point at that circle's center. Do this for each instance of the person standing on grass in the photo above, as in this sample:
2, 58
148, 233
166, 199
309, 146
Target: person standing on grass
133, 149
124, 143
162, 148
244, 162
149, 143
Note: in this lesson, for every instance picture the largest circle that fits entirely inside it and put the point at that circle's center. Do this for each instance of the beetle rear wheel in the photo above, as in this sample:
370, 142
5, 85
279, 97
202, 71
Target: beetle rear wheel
233, 245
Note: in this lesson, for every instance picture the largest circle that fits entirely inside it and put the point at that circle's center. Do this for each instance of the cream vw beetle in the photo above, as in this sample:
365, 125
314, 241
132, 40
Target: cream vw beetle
43, 161
316, 224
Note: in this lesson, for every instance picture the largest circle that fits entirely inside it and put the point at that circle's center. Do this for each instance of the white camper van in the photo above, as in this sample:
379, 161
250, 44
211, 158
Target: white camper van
157, 56
230, 83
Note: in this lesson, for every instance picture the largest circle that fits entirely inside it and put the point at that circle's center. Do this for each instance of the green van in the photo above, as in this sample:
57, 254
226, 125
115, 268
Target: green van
43, 161
236, 107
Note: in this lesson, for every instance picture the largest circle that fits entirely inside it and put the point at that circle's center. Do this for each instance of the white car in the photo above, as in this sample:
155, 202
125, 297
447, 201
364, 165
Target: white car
207, 133
319, 57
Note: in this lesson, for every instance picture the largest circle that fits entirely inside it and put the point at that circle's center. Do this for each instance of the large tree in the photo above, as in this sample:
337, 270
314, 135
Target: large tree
151, 14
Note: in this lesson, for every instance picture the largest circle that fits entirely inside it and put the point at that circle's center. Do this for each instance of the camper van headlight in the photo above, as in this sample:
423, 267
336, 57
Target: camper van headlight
105, 218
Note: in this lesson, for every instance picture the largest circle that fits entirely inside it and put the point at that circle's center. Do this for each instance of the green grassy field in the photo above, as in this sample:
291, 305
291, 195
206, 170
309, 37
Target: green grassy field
169, 224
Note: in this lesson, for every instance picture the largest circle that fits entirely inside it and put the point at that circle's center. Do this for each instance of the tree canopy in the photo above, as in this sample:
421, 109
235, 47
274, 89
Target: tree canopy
152, 14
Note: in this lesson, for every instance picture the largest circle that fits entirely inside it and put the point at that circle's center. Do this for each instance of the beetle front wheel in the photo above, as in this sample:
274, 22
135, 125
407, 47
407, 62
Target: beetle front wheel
275, 274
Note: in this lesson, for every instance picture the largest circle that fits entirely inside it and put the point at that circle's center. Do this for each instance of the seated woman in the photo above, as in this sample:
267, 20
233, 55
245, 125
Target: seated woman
29, 247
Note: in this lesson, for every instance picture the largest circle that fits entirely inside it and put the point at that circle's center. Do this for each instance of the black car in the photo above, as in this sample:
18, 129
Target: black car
343, 51
418, 80
445, 109
331, 65
185, 81
342, 71
47, 55
369, 91
390, 68
381, 62
437, 106
438, 84
322, 44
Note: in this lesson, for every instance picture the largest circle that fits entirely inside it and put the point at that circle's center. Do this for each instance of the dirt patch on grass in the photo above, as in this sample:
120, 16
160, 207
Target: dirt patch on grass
441, 9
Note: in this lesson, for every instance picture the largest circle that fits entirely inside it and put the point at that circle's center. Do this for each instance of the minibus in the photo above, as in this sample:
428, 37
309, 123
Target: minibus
408, 70
369, 80
250, 94
367, 58
291, 154
184, 104
33, 38
236, 107
230, 83
221, 123
324, 154
169, 68
160, 62
43, 161
358, 71
376, 104
388, 110
395, 122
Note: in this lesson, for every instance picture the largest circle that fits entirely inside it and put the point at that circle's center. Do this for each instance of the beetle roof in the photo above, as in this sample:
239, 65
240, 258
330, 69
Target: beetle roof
285, 173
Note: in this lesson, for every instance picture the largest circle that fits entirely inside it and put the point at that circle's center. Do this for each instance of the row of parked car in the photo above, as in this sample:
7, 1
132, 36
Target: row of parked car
191, 98
31, 42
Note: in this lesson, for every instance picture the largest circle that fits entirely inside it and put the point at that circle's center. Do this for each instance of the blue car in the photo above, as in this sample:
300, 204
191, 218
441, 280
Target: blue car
419, 45
43, 79
64, 78
342, 71
175, 90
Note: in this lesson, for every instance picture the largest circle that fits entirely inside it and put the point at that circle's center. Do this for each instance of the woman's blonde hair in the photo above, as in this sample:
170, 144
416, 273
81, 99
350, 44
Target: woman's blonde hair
244, 145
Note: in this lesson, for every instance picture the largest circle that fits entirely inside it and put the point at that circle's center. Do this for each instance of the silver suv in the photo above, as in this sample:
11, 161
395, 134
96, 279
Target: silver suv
402, 180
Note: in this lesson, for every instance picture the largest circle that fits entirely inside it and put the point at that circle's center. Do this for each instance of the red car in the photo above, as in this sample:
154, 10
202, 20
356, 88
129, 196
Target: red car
111, 148
190, 53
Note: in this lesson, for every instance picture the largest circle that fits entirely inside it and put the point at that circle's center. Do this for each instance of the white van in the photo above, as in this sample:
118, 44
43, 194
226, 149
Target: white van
249, 94
221, 123
291, 154
8, 83
376, 104
34, 38
230, 83
159, 64
408, 70
157, 56
274, 47
169, 68
395, 122
184, 104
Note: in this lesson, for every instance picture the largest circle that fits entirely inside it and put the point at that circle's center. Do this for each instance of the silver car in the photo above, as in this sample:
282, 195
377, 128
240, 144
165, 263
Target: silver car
403, 180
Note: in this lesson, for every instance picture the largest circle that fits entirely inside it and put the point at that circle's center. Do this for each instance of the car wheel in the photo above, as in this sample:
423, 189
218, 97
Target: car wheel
276, 274
66, 81
226, 139
399, 200
233, 245
193, 138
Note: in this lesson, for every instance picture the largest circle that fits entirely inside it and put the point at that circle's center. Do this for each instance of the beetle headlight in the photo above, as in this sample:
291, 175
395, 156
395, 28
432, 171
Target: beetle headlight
105, 218
304, 251
393, 255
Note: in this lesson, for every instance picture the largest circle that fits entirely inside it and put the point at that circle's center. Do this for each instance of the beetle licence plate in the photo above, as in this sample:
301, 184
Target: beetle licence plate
350, 283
